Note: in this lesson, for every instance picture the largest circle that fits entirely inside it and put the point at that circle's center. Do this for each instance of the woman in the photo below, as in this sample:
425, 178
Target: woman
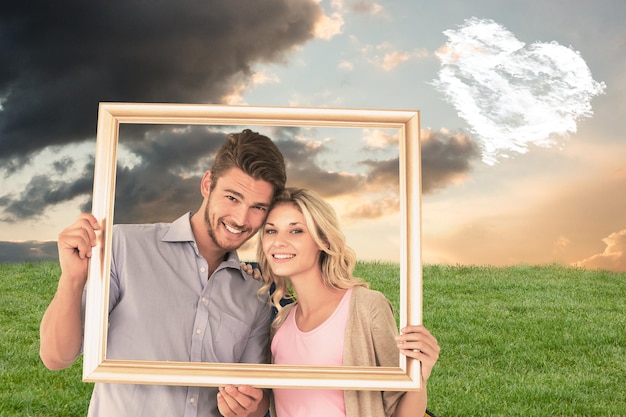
302, 245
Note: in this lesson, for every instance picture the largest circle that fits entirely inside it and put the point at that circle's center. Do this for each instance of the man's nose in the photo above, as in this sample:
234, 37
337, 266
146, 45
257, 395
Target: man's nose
240, 215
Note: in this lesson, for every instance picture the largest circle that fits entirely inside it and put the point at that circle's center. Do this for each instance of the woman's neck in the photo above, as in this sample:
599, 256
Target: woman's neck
316, 301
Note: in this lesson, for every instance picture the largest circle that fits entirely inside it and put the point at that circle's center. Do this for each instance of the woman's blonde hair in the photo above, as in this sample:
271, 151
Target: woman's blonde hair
337, 259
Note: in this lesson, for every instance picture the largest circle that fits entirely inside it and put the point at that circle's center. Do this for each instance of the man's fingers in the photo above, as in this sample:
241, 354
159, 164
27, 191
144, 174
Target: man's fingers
254, 394
91, 219
80, 236
232, 400
224, 403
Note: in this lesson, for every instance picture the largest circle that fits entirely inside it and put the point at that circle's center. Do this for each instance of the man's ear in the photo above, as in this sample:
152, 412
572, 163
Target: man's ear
205, 184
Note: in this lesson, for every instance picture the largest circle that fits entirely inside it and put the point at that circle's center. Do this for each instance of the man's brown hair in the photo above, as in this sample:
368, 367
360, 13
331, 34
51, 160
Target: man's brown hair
253, 153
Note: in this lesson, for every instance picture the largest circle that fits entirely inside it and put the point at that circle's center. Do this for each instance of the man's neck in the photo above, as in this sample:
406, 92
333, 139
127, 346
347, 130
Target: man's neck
213, 254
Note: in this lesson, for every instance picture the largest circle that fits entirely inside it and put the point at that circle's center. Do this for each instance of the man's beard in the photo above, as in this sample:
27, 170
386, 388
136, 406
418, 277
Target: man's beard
211, 231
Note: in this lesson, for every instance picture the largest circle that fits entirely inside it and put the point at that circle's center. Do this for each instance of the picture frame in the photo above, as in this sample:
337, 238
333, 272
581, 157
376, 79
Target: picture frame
98, 368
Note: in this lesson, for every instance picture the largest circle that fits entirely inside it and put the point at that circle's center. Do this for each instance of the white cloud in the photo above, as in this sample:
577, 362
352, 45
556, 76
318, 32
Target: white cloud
385, 56
614, 256
263, 77
235, 96
561, 244
330, 25
346, 65
379, 139
393, 59
367, 7
512, 94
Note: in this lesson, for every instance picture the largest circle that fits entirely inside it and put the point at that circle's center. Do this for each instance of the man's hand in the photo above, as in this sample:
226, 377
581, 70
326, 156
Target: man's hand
252, 271
242, 400
61, 330
75, 244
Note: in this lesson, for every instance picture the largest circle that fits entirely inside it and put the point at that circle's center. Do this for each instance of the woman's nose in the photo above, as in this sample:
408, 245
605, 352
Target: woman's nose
279, 240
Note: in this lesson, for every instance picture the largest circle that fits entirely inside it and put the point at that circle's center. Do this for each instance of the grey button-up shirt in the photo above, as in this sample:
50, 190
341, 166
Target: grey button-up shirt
164, 307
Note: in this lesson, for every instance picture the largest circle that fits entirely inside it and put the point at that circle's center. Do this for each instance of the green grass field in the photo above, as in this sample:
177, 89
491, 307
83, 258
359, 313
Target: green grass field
518, 341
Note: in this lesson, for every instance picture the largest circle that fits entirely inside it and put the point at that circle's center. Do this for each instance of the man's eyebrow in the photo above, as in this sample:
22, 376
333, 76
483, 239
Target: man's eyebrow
241, 197
236, 193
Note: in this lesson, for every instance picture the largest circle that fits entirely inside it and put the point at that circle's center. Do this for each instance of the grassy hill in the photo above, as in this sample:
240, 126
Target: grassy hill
517, 341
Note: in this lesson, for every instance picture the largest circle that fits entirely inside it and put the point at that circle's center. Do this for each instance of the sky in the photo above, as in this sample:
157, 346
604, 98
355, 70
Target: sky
522, 107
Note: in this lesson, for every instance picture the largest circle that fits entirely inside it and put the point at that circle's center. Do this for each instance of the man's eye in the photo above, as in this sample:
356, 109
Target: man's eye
264, 209
231, 198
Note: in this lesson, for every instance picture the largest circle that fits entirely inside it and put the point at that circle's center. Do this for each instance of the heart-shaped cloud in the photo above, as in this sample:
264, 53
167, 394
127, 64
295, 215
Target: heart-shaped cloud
512, 94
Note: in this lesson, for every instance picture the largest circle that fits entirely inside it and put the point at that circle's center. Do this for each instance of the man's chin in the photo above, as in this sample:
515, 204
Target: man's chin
233, 244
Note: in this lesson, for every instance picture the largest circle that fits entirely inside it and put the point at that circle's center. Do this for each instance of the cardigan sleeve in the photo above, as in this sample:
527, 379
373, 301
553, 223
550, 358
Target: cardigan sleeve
370, 341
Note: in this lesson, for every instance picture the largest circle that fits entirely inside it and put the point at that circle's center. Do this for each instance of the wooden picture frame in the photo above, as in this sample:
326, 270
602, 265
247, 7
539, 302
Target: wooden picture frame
96, 366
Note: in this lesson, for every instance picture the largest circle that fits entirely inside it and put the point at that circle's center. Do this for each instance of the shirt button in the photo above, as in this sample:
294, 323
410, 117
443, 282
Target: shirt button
192, 400
202, 269
198, 331
203, 300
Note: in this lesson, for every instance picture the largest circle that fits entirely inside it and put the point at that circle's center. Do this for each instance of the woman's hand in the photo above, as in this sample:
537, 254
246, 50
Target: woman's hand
417, 342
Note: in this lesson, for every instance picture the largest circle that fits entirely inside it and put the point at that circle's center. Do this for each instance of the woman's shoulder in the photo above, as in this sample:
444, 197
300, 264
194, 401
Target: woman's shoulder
364, 296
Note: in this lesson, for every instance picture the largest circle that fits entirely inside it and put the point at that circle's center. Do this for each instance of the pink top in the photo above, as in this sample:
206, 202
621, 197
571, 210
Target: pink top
320, 346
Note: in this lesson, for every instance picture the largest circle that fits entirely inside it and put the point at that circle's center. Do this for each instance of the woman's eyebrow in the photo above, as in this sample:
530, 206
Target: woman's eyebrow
290, 224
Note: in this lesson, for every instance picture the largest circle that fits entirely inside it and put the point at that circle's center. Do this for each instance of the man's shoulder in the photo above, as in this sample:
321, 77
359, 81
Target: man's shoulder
139, 227
180, 225
139, 231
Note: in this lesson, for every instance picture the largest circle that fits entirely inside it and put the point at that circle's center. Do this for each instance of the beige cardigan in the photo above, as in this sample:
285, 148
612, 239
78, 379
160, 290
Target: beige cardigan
369, 341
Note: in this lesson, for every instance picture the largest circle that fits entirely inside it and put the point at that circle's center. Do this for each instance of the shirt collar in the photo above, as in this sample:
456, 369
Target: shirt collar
180, 231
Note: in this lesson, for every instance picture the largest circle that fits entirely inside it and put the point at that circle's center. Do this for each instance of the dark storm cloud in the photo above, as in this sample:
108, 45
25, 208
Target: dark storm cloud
383, 173
42, 191
445, 157
303, 170
165, 182
158, 182
28, 251
59, 59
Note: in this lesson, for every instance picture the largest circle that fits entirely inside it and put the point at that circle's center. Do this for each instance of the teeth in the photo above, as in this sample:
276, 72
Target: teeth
283, 256
232, 229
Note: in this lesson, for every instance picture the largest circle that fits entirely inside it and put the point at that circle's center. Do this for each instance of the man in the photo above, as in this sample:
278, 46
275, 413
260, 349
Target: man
177, 292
